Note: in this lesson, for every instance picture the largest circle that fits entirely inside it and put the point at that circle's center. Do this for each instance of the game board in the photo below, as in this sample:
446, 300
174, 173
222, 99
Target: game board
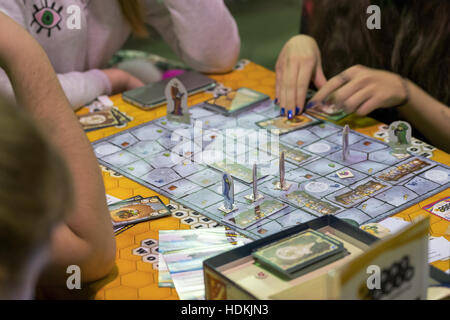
159, 155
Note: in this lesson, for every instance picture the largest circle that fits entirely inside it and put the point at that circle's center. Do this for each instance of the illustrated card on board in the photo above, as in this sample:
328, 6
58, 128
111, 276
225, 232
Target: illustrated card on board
235, 101
281, 125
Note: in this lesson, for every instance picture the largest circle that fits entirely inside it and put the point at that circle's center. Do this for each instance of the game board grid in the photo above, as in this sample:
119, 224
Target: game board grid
268, 224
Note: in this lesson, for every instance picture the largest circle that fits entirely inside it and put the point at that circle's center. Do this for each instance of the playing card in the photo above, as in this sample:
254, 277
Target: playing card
281, 125
329, 112
235, 101
132, 212
120, 229
297, 252
98, 120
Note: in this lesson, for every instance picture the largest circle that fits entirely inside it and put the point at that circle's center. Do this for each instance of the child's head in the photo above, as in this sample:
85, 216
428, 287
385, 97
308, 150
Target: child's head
35, 195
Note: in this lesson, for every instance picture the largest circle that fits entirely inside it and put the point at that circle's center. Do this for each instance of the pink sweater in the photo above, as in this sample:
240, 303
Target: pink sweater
202, 33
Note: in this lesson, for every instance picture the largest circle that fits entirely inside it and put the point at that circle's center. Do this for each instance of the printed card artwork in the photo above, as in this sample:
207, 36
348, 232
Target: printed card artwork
128, 212
281, 125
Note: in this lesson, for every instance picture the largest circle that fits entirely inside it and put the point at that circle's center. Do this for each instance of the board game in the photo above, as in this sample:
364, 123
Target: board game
186, 162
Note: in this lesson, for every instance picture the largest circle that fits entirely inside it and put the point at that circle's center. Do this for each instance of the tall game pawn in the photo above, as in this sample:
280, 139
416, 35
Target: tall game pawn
254, 196
282, 184
228, 194
176, 96
345, 150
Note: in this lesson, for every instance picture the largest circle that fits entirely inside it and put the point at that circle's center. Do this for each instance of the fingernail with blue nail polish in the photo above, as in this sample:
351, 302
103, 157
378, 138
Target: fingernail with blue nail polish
297, 110
290, 114
310, 104
282, 111
275, 101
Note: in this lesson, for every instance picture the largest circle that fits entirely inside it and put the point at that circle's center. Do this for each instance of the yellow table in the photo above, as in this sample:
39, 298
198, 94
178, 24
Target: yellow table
136, 279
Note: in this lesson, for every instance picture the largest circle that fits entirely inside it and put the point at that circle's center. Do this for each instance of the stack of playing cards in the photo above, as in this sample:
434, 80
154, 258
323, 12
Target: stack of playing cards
300, 254
103, 114
136, 210
181, 256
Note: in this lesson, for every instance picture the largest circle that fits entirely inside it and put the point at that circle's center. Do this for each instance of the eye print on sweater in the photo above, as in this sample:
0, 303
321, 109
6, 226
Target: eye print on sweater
47, 17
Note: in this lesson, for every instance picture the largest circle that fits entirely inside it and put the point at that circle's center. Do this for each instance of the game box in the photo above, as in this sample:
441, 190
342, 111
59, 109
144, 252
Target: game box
401, 260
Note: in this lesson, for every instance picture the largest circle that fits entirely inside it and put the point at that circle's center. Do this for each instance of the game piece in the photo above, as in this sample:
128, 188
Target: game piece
343, 174
400, 137
282, 184
228, 194
255, 196
176, 96
345, 150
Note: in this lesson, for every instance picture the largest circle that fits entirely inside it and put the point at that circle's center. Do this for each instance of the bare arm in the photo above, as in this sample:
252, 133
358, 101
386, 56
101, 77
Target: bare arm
429, 115
202, 33
86, 238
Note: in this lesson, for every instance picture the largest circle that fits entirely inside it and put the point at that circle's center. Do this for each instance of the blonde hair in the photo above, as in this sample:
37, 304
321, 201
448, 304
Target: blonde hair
132, 11
35, 190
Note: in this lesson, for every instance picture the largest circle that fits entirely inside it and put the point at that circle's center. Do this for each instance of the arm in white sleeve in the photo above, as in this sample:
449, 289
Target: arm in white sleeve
202, 33
83, 87
79, 87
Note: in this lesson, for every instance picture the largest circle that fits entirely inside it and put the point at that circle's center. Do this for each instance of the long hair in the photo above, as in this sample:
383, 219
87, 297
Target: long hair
35, 192
132, 11
413, 39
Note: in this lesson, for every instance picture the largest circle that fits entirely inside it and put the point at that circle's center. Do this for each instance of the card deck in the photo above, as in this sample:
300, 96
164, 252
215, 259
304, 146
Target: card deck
120, 229
281, 125
329, 112
292, 254
132, 212
98, 120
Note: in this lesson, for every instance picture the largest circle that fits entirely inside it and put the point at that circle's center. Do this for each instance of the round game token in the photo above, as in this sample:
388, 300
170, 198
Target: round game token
383, 127
413, 149
427, 147
319, 147
316, 187
436, 175
426, 154
416, 142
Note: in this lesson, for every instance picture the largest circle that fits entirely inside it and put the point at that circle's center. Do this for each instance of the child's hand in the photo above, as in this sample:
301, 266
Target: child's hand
298, 63
361, 90
121, 80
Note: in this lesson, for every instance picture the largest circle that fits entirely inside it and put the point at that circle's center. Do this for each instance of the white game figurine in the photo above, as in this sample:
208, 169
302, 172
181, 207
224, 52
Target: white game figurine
254, 196
399, 137
345, 150
228, 194
282, 184
176, 96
